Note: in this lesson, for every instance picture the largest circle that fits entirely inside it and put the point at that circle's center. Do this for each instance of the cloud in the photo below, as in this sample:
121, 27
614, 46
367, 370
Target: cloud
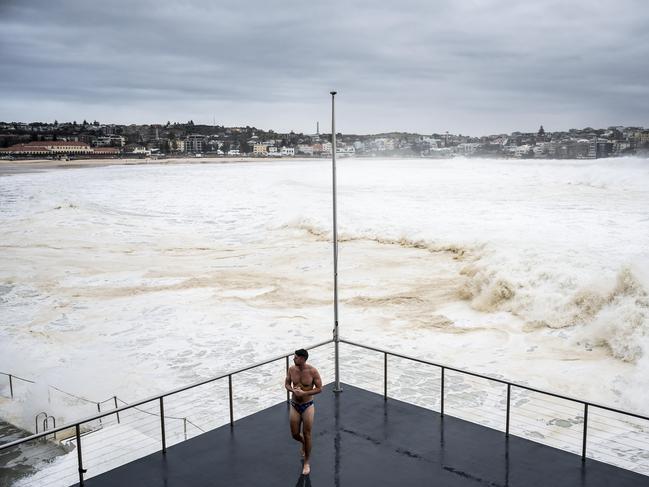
471, 66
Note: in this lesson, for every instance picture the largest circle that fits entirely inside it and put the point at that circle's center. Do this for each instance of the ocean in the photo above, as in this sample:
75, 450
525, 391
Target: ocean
130, 280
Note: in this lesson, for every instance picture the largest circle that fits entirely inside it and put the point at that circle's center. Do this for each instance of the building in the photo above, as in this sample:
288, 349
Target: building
110, 141
287, 152
194, 143
49, 148
105, 151
260, 149
305, 149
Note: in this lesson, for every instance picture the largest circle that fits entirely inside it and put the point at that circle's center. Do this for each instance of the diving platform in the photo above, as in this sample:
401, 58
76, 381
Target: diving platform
453, 434
361, 439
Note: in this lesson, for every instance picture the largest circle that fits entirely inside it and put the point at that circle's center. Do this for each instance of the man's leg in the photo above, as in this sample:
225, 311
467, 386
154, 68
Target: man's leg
307, 423
294, 421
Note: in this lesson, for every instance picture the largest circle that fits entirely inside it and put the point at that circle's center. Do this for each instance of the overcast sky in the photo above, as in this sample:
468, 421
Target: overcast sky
463, 66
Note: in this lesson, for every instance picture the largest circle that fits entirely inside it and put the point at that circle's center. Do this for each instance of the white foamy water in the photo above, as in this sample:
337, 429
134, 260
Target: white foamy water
130, 280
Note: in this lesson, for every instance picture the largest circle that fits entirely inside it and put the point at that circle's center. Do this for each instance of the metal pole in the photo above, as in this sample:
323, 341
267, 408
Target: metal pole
583, 446
385, 376
337, 387
288, 395
509, 395
115, 399
230, 391
79, 457
442, 393
185, 427
162, 426
11, 386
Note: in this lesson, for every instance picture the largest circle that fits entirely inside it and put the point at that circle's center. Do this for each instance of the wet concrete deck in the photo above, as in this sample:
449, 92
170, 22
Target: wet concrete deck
362, 441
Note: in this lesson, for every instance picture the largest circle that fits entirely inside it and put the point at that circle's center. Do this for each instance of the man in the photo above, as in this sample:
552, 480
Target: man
304, 382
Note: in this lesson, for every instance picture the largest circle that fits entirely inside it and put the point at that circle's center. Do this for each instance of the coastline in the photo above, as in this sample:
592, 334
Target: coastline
8, 168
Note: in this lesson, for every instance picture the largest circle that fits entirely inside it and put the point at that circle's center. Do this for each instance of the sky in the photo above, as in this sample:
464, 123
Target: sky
462, 66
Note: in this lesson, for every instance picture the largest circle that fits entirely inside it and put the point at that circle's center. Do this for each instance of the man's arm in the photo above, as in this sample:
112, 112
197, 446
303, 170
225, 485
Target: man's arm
288, 384
317, 384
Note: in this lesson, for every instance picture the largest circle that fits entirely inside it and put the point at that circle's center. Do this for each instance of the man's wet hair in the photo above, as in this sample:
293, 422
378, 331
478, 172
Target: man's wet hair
302, 353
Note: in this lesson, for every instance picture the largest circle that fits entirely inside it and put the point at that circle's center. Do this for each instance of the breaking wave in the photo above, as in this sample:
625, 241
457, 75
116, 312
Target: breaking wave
610, 309
311, 228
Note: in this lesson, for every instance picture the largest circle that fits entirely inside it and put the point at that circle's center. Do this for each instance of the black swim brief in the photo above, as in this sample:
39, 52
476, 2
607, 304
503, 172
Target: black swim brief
301, 407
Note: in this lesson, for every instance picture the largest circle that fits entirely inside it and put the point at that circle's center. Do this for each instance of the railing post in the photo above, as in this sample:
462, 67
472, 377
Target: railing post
583, 446
385, 376
185, 427
162, 426
230, 390
99, 411
11, 386
79, 457
442, 392
288, 395
509, 395
115, 399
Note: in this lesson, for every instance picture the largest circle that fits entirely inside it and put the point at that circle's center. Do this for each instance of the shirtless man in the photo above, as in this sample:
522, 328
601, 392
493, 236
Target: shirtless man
304, 382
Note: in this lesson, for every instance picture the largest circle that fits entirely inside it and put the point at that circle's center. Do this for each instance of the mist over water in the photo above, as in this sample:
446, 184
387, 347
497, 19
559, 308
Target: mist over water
129, 280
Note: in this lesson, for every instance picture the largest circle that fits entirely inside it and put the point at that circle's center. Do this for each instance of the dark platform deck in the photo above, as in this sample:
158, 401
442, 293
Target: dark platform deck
361, 441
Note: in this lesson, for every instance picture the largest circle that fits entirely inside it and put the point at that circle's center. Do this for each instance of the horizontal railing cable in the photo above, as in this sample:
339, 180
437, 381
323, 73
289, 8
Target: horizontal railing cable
496, 379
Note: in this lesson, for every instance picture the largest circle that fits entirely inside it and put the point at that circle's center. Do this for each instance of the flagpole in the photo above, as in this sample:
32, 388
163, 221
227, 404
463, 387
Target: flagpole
337, 387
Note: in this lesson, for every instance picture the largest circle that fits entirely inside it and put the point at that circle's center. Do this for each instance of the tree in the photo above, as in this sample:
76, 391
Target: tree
244, 148
541, 131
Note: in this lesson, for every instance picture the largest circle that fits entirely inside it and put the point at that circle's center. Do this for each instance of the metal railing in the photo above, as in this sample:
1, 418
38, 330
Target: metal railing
160, 399
509, 385
11, 378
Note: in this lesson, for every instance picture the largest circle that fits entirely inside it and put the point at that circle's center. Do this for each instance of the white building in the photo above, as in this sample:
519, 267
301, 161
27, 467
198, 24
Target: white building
287, 152
110, 141
305, 149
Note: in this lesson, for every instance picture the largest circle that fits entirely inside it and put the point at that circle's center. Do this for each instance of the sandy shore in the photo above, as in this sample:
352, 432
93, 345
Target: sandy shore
37, 165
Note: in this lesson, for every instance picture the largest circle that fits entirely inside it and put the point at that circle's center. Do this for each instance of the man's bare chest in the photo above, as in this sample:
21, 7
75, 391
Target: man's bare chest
304, 377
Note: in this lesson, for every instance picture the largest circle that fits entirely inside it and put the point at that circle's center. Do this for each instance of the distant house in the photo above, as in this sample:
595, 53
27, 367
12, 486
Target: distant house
260, 149
110, 141
287, 151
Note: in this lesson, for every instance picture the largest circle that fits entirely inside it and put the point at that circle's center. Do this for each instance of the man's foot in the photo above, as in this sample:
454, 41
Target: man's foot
306, 470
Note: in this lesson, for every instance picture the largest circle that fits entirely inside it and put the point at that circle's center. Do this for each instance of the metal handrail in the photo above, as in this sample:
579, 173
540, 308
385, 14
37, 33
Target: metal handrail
495, 379
11, 382
77, 424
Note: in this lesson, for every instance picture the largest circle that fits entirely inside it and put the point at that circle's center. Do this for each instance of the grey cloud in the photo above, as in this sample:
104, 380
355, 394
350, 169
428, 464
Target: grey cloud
414, 65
